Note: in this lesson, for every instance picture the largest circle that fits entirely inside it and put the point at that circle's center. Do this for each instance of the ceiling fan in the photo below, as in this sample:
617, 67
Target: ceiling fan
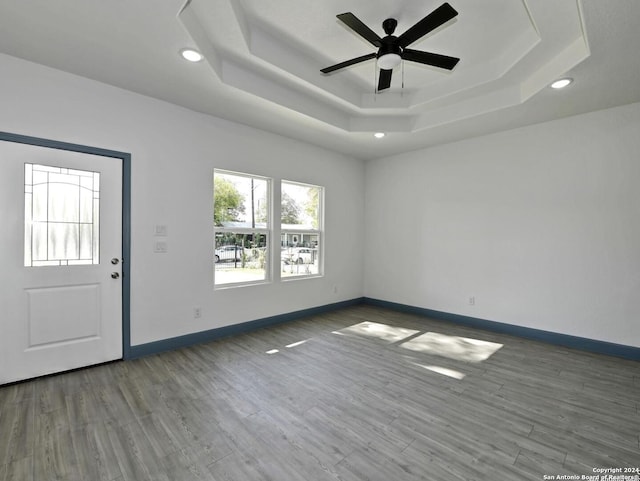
392, 50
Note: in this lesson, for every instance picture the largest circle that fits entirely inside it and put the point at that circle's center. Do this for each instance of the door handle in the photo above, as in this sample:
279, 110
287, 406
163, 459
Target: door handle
115, 261
115, 275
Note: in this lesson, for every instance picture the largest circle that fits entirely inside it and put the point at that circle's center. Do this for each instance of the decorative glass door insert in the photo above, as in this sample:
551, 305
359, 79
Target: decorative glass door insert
62, 216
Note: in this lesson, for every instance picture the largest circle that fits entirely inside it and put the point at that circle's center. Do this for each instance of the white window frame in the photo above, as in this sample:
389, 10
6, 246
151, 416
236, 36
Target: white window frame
319, 232
267, 231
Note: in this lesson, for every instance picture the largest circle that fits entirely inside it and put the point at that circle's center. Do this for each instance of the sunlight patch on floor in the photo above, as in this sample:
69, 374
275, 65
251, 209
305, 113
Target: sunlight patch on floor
379, 331
293, 344
452, 347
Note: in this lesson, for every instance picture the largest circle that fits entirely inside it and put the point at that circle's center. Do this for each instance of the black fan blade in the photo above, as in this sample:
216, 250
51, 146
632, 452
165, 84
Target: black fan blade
439, 16
346, 63
355, 24
384, 82
428, 58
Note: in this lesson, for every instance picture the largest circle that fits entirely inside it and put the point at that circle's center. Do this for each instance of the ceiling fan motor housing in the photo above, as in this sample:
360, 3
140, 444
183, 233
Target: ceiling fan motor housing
389, 45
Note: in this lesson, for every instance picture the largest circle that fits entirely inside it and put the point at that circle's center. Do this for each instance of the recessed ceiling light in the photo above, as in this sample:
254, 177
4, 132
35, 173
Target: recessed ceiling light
562, 83
191, 55
379, 135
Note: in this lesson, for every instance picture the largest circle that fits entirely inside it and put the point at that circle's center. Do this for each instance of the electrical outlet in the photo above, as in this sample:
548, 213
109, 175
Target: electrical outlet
160, 247
472, 301
197, 312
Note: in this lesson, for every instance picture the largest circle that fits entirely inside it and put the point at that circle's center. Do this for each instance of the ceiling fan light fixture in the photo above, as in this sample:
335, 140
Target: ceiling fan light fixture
191, 55
393, 50
562, 83
389, 61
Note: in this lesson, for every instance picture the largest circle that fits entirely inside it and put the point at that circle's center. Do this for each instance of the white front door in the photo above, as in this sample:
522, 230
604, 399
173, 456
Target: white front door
60, 229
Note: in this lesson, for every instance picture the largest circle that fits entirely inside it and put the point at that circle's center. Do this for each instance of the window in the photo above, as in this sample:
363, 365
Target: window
62, 211
301, 230
241, 212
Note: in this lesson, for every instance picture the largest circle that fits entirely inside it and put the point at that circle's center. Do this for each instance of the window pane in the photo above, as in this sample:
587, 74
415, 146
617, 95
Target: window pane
64, 198
300, 206
240, 201
39, 234
241, 226
86, 206
301, 229
301, 261
240, 258
40, 200
86, 241
63, 241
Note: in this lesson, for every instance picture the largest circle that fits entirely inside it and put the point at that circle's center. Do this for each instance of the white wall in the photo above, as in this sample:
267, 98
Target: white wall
540, 224
174, 152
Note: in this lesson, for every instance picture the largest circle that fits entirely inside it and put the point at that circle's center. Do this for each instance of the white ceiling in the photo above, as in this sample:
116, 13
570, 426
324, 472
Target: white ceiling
262, 62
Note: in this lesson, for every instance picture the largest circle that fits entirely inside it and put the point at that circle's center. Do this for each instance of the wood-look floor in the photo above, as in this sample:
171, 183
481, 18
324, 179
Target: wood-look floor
365, 402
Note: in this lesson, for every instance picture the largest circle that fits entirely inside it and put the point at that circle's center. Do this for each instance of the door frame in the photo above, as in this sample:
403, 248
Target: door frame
125, 158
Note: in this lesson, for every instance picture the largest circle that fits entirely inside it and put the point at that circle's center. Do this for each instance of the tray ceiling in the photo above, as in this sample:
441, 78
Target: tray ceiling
263, 59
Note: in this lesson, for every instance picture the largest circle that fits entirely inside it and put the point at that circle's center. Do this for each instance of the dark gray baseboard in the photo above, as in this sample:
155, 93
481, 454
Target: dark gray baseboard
155, 347
574, 342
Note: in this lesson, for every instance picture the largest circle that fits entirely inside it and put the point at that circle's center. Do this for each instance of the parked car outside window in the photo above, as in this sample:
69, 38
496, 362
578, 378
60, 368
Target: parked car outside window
298, 255
228, 253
